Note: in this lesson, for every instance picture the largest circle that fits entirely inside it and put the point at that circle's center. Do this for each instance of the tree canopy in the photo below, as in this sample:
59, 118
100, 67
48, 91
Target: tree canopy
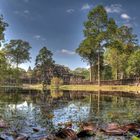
92, 46
107, 46
111, 50
44, 62
18, 51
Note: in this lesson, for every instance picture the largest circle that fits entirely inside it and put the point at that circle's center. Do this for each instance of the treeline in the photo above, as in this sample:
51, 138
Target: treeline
16, 52
112, 51
12, 54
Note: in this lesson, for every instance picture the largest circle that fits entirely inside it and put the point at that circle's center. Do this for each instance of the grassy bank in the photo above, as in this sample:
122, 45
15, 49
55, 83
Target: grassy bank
25, 86
33, 86
102, 88
11, 86
125, 88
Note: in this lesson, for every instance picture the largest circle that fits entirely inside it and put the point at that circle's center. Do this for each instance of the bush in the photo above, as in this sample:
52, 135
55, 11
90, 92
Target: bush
56, 81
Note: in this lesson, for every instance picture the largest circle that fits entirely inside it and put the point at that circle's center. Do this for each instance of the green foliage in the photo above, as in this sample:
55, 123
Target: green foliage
121, 44
44, 57
92, 47
18, 51
82, 72
44, 63
112, 58
88, 51
133, 68
106, 42
3, 66
56, 82
107, 73
3, 26
96, 23
3, 61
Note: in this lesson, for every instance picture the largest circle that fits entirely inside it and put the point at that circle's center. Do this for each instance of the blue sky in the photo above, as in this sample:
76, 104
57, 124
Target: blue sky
58, 24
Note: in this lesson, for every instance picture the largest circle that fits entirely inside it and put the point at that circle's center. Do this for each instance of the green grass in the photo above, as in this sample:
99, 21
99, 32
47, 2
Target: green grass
33, 86
102, 88
125, 88
11, 86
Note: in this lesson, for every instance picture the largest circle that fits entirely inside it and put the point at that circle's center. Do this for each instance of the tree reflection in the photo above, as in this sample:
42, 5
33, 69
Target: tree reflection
94, 113
47, 109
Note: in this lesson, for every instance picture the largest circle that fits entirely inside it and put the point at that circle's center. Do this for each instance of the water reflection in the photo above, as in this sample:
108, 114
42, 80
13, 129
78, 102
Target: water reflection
49, 110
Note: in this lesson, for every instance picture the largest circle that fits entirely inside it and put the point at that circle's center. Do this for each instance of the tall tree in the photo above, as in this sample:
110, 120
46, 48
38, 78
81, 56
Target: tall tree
3, 66
113, 48
3, 62
95, 28
133, 68
130, 45
17, 51
88, 52
44, 62
121, 43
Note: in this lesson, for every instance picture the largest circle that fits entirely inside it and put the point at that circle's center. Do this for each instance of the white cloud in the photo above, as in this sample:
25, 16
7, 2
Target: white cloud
26, 11
70, 11
37, 37
68, 52
40, 38
114, 8
85, 7
125, 16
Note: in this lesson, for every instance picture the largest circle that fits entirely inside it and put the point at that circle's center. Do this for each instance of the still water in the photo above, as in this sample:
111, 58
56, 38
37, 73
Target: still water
47, 111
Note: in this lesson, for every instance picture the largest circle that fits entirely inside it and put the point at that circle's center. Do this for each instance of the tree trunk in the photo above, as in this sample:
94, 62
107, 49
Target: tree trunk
122, 75
91, 73
116, 76
91, 108
99, 72
17, 74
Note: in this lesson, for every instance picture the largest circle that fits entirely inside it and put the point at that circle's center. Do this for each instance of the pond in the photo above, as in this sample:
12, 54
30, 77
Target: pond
38, 113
